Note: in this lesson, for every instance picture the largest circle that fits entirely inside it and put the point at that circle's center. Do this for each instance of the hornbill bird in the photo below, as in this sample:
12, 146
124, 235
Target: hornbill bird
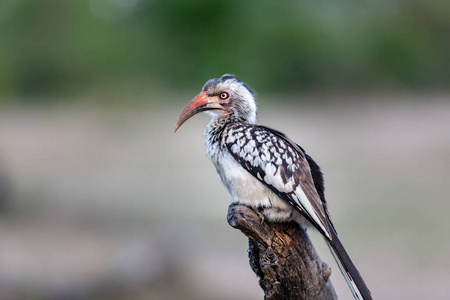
264, 169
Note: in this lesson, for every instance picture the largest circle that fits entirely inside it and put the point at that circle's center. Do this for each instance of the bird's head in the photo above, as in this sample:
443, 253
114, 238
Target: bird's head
224, 97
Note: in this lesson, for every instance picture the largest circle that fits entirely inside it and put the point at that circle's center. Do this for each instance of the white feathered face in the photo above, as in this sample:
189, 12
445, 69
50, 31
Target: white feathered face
222, 97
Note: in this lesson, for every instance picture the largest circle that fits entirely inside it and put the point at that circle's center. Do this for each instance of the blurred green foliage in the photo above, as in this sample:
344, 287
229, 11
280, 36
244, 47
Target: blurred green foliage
50, 46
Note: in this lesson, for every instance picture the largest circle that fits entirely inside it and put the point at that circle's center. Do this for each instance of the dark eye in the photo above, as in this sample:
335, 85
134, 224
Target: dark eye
224, 95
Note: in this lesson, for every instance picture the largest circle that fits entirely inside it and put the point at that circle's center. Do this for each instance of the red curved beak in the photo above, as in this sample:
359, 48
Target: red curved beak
200, 103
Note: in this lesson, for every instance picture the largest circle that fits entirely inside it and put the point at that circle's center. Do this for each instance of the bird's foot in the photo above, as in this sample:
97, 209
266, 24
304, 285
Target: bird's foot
259, 212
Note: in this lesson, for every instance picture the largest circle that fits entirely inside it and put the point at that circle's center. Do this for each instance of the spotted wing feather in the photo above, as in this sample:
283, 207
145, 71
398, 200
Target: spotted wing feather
279, 165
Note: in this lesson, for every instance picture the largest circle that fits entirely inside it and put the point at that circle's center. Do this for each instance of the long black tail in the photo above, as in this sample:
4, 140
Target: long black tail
354, 279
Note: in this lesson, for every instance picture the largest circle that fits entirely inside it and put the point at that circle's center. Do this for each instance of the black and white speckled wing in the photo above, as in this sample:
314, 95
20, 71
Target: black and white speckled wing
279, 164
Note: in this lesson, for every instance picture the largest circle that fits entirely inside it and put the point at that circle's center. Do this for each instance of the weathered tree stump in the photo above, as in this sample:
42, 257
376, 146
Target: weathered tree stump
283, 257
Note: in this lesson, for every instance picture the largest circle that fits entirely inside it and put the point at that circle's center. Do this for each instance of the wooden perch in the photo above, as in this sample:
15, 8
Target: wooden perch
282, 257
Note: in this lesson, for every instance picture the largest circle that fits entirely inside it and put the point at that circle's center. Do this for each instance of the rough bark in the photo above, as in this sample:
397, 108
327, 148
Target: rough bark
282, 257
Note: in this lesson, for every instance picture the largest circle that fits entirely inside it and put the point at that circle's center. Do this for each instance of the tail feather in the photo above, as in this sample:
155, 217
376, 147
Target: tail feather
351, 274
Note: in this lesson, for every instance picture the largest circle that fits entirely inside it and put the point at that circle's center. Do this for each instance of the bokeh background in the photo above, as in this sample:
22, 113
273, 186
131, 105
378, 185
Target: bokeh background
100, 200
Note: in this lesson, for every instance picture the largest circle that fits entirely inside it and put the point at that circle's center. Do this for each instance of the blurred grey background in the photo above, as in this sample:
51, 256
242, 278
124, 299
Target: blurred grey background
100, 200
